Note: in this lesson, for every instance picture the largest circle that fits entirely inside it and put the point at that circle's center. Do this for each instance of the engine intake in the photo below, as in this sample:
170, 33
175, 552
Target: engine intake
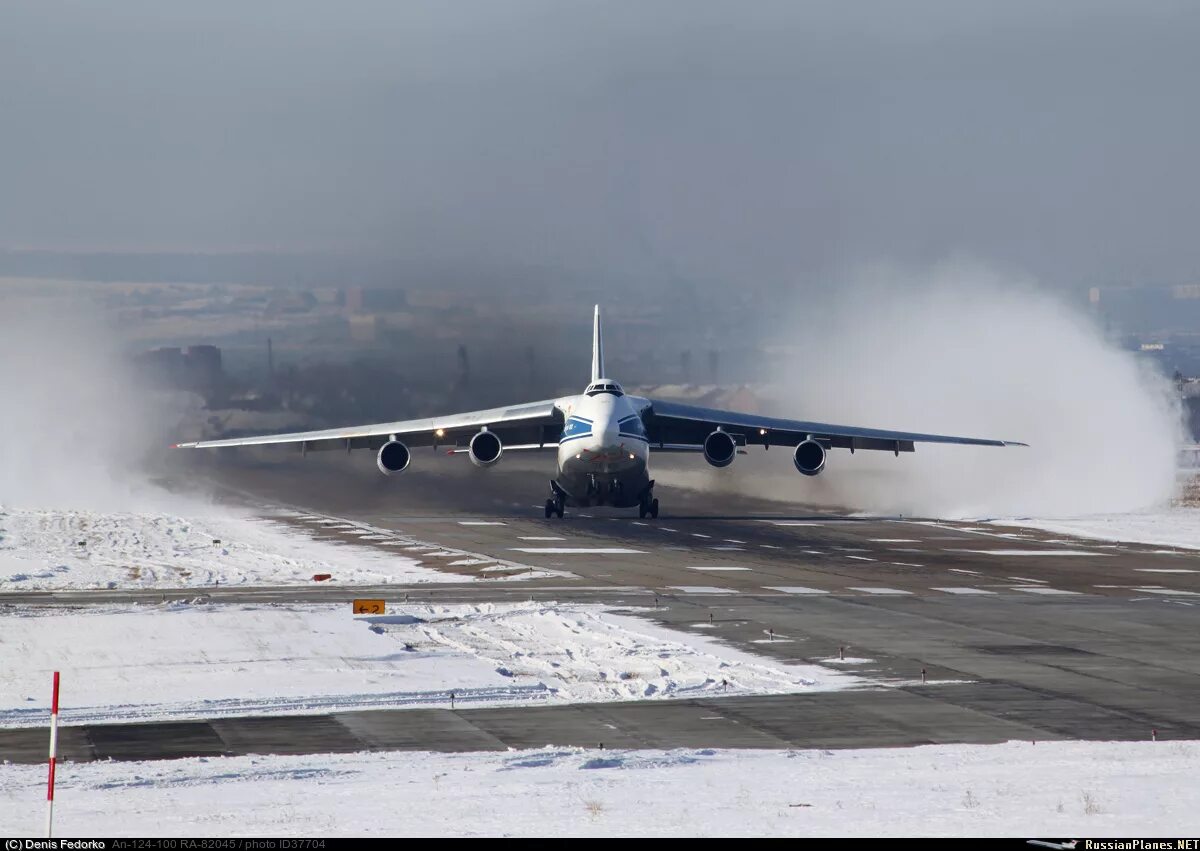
720, 449
393, 458
809, 457
485, 449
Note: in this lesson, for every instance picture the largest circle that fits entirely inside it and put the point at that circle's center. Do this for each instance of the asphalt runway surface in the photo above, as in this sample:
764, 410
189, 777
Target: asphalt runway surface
975, 633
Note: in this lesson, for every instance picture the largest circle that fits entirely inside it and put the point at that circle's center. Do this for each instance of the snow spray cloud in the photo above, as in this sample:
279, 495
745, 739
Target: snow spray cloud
74, 425
963, 350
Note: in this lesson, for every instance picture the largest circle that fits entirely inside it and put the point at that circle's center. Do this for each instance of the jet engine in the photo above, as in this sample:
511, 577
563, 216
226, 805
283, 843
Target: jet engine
485, 449
719, 448
809, 457
393, 458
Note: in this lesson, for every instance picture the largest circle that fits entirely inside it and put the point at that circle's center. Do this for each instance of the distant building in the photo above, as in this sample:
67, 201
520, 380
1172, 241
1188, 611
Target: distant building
375, 300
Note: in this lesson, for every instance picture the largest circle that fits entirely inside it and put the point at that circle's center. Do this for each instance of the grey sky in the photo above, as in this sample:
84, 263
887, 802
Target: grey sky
750, 142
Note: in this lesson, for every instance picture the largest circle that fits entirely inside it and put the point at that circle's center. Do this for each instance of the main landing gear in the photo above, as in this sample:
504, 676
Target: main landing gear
557, 501
648, 504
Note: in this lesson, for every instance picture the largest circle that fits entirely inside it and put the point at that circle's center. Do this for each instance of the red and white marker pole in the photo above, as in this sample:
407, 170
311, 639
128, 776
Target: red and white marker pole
53, 755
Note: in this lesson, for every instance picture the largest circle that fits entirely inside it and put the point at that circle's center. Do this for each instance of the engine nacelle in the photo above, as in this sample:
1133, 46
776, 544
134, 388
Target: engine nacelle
485, 449
393, 458
720, 448
809, 457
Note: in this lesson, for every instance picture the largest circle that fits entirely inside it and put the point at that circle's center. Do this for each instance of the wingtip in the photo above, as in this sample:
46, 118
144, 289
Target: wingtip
1015, 443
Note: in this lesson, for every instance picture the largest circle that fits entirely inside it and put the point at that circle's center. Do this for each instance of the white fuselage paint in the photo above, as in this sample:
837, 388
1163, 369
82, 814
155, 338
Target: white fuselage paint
603, 454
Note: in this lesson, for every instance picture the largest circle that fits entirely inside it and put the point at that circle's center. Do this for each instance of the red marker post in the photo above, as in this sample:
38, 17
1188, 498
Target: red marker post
53, 755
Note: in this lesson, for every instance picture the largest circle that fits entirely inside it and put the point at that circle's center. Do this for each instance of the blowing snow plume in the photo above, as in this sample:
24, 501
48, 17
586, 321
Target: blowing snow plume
74, 426
964, 351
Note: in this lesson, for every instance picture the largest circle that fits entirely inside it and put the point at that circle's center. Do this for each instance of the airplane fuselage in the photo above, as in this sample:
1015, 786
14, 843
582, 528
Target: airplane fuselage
603, 454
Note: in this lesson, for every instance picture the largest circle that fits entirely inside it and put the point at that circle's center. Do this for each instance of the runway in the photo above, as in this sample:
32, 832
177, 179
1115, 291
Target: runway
1020, 634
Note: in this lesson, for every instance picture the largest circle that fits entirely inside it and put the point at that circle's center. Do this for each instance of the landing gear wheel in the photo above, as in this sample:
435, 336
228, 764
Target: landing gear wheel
559, 510
654, 509
643, 510
550, 509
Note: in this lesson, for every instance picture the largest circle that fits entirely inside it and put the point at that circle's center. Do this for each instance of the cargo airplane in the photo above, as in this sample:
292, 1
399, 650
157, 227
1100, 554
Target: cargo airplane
603, 437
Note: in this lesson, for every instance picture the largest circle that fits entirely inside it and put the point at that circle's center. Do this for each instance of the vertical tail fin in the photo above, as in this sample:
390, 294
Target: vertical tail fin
597, 349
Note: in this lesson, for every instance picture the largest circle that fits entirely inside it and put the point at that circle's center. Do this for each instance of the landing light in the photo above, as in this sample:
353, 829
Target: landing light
762, 431
632, 456
440, 432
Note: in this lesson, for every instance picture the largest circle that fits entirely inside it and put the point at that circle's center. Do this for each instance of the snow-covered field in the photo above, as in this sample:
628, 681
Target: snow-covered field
1175, 526
130, 663
1013, 789
205, 546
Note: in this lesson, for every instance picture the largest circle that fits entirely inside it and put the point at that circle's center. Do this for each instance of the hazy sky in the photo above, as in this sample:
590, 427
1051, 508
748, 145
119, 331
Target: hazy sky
751, 142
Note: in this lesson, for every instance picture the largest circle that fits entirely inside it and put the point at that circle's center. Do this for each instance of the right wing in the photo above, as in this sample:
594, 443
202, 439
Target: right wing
533, 424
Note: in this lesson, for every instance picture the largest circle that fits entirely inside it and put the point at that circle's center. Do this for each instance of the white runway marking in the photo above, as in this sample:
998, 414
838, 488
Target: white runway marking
1047, 591
1027, 579
770, 547
795, 589
540, 538
733, 541
792, 523
482, 523
701, 589
1164, 570
813, 552
698, 535
717, 568
893, 540
893, 591
1038, 553
665, 529
861, 558
964, 570
600, 551
906, 564
963, 590
728, 549
1169, 592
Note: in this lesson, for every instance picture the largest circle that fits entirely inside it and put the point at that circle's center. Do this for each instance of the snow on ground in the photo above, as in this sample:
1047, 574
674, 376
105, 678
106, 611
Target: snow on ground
131, 663
1013, 789
42, 549
1174, 526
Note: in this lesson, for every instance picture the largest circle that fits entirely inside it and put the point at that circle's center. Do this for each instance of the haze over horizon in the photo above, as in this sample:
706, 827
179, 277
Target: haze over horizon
704, 141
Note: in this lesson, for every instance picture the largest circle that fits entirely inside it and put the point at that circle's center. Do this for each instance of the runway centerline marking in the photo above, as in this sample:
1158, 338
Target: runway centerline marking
870, 590
1163, 570
1028, 579
795, 589
698, 567
540, 538
1038, 553
1169, 592
961, 590
482, 523
791, 523
698, 535
600, 551
701, 589
1047, 591
861, 558
964, 570
893, 540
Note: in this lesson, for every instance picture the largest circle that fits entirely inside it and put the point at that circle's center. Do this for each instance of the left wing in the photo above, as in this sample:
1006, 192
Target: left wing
673, 423
518, 426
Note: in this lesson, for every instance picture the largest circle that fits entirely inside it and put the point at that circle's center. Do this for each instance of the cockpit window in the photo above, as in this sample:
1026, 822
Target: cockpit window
604, 387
